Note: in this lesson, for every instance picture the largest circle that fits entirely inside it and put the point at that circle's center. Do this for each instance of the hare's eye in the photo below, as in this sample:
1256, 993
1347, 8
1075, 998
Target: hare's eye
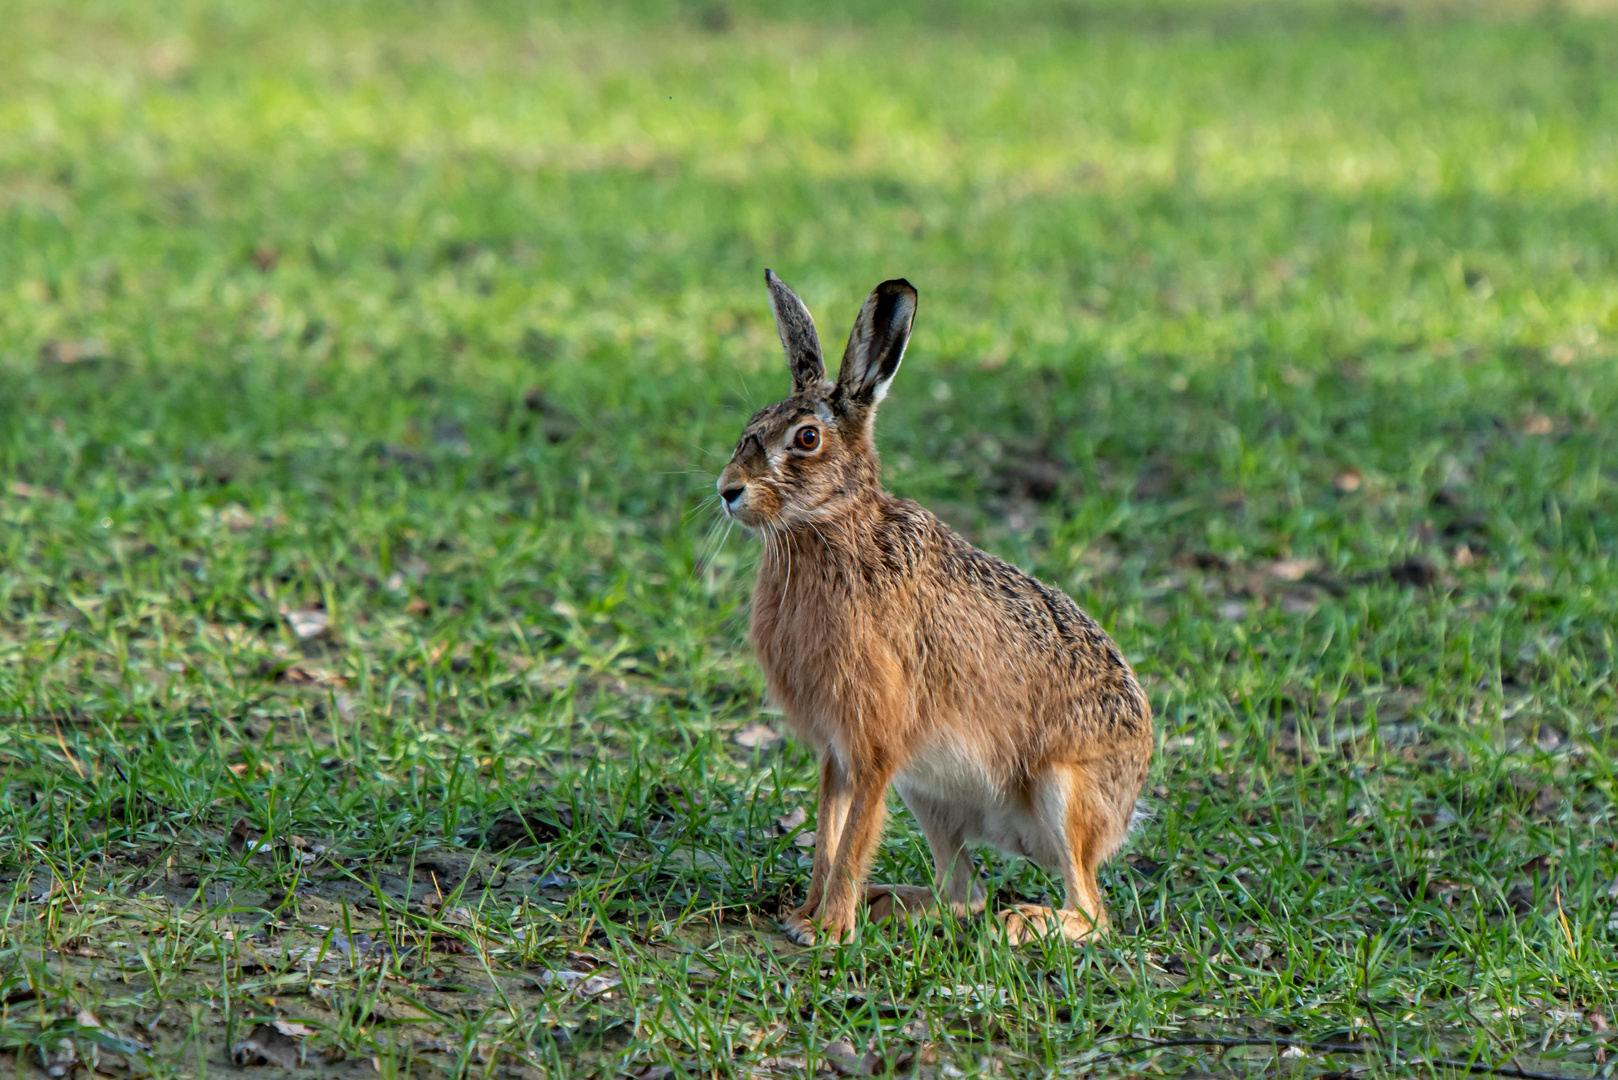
807, 438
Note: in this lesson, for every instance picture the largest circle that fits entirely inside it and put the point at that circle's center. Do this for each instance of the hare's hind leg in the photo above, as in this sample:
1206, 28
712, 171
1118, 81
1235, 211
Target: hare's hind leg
953, 880
1084, 833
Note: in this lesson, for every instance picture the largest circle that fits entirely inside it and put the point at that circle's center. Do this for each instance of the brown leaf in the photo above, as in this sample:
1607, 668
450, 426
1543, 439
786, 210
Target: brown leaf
241, 835
71, 352
267, 1046
649, 1072
1348, 480
793, 820
1202, 560
844, 1059
757, 736
1292, 569
1547, 799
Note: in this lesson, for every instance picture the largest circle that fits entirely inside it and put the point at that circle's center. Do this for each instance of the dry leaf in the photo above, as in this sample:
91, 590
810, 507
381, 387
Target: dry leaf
71, 352
587, 984
1348, 480
1546, 799
757, 736
1537, 424
240, 834
599, 984
60, 1062
292, 1028
1292, 569
649, 1072
844, 1059
793, 820
267, 1046
307, 623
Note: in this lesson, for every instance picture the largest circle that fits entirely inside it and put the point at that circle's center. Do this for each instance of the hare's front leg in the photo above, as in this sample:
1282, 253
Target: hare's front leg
830, 817
845, 880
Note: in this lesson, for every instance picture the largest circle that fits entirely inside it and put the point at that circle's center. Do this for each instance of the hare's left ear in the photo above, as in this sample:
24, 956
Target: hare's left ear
798, 337
876, 345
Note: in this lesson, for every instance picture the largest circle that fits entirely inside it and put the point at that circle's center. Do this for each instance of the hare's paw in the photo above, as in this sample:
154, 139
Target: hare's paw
898, 901
1030, 922
798, 927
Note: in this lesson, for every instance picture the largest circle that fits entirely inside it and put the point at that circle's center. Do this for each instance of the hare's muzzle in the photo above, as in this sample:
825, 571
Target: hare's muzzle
732, 490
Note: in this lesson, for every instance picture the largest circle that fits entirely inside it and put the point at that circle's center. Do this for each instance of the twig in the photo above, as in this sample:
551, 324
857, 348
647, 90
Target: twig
1151, 1043
1466, 1003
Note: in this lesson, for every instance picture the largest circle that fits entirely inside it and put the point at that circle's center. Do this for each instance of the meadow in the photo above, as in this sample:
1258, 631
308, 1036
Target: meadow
374, 688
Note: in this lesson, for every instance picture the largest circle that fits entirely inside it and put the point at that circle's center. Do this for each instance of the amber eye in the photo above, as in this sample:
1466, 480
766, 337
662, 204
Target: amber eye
807, 438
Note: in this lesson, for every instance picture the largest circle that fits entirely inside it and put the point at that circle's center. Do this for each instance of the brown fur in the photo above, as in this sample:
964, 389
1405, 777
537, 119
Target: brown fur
904, 655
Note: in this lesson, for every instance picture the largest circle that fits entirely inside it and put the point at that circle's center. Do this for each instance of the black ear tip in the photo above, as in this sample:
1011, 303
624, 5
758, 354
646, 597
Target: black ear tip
897, 285
769, 276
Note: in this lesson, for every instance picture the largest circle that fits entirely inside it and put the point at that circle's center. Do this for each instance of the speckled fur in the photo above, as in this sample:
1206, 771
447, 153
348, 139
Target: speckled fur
1000, 711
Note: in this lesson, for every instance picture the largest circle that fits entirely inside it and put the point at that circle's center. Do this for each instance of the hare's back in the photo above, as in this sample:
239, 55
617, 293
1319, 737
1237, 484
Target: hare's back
990, 630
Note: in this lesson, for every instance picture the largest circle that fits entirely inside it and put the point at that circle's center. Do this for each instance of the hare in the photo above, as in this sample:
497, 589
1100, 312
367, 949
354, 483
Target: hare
1000, 711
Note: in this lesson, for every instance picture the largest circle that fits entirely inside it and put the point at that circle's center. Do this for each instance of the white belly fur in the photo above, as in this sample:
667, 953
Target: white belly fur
957, 788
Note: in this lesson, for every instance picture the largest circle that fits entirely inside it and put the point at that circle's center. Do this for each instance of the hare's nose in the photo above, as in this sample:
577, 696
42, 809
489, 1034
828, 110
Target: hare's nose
731, 494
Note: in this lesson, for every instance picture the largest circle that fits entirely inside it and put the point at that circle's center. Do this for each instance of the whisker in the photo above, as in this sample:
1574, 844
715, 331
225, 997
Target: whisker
710, 501
705, 561
703, 450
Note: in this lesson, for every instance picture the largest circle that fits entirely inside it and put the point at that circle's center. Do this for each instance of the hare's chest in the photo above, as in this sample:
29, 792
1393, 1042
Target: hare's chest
804, 670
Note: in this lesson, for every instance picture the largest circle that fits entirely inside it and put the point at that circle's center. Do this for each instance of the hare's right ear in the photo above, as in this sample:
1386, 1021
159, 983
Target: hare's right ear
798, 335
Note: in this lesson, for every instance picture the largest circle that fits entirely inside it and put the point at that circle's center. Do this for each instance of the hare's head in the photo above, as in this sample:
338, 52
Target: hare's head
806, 456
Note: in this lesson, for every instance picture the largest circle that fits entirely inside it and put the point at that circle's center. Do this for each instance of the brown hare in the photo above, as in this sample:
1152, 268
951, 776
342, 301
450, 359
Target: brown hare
902, 654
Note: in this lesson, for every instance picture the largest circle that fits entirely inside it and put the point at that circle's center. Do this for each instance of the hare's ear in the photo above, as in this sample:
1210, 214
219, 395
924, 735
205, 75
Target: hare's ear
798, 335
876, 345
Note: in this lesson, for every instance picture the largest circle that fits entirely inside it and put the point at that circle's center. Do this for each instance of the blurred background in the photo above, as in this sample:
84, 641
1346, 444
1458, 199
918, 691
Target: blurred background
364, 369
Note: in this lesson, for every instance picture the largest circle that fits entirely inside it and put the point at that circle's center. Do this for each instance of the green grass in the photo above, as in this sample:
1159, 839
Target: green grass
1282, 336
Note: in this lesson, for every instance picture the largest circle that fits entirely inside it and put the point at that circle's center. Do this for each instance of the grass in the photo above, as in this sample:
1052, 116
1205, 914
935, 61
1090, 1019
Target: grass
368, 665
